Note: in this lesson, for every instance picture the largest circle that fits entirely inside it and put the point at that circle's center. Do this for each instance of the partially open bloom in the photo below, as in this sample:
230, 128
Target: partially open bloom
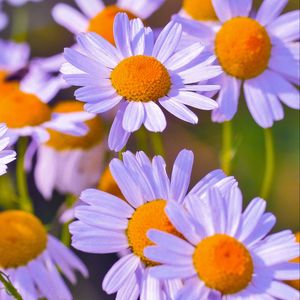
6, 156
138, 75
224, 253
96, 17
30, 258
24, 94
109, 224
73, 163
258, 54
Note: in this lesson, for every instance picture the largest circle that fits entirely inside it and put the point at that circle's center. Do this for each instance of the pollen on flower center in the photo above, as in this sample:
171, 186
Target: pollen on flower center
141, 78
148, 216
243, 48
223, 263
19, 109
201, 10
22, 238
61, 141
103, 22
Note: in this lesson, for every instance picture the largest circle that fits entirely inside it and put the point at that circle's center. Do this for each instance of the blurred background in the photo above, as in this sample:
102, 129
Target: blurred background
47, 38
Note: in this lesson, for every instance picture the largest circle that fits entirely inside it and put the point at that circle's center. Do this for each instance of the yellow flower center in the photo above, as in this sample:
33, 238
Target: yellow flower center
200, 10
61, 141
103, 22
108, 184
295, 283
22, 238
223, 263
148, 216
19, 109
141, 78
243, 48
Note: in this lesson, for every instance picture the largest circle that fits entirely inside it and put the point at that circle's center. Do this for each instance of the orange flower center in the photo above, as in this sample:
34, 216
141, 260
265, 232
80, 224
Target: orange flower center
22, 238
243, 48
103, 22
19, 109
200, 10
148, 216
61, 141
141, 78
223, 263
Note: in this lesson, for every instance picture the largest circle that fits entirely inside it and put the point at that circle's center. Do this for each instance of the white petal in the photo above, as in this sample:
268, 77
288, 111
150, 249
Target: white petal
70, 18
119, 272
179, 110
133, 116
155, 120
270, 10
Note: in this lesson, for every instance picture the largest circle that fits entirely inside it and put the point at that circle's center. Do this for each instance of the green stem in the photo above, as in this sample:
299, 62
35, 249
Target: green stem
270, 160
11, 290
25, 202
157, 143
20, 22
65, 233
141, 137
227, 151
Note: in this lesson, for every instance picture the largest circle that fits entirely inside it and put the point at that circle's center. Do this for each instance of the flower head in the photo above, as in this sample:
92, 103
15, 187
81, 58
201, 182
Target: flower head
139, 75
224, 252
73, 163
260, 52
24, 95
30, 258
96, 17
108, 224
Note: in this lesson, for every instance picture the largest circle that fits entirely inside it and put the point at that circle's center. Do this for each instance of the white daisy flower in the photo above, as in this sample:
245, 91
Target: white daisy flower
259, 55
30, 258
108, 224
96, 17
139, 74
225, 253
24, 95
73, 163
6, 156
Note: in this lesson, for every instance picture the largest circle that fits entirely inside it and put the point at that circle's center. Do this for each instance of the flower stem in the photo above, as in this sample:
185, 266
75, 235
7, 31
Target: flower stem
11, 290
25, 202
227, 151
270, 159
157, 143
141, 138
20, 22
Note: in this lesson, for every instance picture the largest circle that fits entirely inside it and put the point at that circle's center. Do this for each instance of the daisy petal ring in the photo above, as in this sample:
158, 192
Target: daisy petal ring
138, 75
259, 54
225, 253
109, 224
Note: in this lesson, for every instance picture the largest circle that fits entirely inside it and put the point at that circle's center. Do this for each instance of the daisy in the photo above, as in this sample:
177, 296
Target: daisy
138, 75
259, 55
24, 95
30, 258
73, 163
96, 17
6, 156
224, 253
108, 224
